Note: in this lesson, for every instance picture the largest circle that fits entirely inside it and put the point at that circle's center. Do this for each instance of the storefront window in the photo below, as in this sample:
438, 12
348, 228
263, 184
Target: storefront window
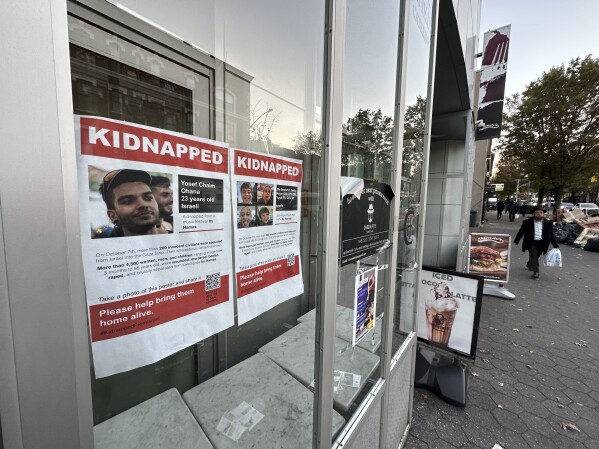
410, 196
367, 197
258, 100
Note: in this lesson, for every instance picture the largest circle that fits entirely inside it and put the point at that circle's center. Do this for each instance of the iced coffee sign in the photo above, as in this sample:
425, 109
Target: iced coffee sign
449, 310
365, 221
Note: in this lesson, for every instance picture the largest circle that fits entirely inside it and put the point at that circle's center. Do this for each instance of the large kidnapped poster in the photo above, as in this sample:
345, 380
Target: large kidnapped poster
267, 218
155, 236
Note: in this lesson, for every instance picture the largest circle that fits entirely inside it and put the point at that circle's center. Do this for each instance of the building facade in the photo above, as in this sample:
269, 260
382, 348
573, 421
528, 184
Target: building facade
363, 97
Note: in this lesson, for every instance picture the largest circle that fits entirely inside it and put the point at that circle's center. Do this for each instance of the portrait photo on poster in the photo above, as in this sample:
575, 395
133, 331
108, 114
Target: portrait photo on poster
245, 193
264, 194
449, 306
129, 202
245, 216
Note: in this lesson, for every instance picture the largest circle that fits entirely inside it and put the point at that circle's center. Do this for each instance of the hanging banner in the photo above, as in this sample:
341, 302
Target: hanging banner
155, 236
489, 256
265, 202
365, 221
449, 310
364, 304
491, 92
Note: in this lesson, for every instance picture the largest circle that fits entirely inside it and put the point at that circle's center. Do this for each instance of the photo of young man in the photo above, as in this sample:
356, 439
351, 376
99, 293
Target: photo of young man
130, 203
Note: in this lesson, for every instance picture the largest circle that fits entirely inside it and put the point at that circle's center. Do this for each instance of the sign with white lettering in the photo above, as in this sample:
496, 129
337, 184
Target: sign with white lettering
449, 310
365, 222
267, 232
155, 236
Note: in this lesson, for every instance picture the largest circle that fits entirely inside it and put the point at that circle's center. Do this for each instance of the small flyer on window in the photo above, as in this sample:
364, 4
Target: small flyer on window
155, 236
265, 202
364, 304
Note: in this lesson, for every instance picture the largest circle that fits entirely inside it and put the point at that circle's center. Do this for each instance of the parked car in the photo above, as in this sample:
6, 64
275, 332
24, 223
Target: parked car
567, 206
529, 207
588, 208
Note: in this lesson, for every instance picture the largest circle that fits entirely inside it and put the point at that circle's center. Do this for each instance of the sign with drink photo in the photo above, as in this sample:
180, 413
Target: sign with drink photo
449, 310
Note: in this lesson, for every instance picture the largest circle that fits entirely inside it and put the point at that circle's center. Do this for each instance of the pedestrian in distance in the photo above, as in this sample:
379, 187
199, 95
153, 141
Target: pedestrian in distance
511, 208
537, 234
499, 208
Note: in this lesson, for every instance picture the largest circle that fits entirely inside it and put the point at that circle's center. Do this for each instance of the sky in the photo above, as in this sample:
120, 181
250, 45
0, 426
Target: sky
545, 33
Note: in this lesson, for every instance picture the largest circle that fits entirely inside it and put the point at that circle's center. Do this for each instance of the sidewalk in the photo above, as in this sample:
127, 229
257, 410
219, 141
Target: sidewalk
537, 363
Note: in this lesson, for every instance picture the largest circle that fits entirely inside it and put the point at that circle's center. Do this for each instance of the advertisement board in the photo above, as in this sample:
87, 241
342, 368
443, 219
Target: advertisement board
496, 44
489, 256
155, 237
365, 222
449, 306
267, 217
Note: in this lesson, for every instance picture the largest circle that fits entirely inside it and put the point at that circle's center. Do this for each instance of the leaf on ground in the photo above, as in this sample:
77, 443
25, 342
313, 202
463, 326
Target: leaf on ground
484, 350
569, 426
560, 405
499, 406
501, 384
475, 374
529, 366
424, 395
486, 360
516, 330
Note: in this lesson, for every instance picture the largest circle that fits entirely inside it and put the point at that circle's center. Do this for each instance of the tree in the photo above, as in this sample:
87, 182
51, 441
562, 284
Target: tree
552, 128
371, 134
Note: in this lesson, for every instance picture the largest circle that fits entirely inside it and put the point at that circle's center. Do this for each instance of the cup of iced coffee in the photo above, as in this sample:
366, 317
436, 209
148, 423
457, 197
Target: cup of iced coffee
441, 308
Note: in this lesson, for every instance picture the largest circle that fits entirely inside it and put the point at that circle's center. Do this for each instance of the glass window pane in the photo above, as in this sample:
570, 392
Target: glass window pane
416, 66
263, 94
368, 111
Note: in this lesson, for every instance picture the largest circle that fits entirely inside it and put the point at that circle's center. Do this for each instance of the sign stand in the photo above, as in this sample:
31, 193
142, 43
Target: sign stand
497, 290
446, 376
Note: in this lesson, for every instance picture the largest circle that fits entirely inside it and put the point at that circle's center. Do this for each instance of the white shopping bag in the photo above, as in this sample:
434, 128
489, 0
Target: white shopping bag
553, 258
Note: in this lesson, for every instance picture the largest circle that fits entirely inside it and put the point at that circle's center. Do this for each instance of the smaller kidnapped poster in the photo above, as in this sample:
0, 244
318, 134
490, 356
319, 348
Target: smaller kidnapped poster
489, 256
365, 222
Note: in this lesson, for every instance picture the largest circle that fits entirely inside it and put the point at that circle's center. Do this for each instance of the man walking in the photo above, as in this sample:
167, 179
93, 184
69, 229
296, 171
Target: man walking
538, 234
499, 208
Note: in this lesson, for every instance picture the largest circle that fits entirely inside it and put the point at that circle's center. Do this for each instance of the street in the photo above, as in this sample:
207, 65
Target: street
535, 381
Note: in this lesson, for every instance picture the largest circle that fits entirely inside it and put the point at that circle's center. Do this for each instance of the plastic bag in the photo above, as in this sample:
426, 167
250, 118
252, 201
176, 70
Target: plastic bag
553, 258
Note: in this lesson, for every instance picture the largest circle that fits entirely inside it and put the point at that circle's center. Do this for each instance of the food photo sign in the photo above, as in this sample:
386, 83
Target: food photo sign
449, 310
489, 256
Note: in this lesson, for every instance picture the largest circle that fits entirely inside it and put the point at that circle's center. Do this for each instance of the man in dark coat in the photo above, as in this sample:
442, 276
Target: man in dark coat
499, 208
538, 234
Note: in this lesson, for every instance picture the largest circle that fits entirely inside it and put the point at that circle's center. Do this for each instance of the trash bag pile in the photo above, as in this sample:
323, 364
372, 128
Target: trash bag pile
566, 233
592, 245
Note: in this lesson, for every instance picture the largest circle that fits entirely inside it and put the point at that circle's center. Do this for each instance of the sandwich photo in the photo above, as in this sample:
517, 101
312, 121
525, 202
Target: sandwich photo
483, 258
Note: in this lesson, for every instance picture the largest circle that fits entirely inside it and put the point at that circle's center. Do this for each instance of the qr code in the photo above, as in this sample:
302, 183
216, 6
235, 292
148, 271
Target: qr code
213, 281
290, 260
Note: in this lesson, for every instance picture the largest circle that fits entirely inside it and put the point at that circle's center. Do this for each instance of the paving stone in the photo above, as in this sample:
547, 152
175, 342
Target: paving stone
539, 441
509, 420
591, 428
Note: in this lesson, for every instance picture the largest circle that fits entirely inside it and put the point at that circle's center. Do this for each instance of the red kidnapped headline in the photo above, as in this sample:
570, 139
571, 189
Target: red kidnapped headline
111, 320
123, 141
260, 166
257, 278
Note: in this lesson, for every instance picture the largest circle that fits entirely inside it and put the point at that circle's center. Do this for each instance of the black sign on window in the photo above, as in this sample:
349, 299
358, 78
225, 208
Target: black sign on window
365, 222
